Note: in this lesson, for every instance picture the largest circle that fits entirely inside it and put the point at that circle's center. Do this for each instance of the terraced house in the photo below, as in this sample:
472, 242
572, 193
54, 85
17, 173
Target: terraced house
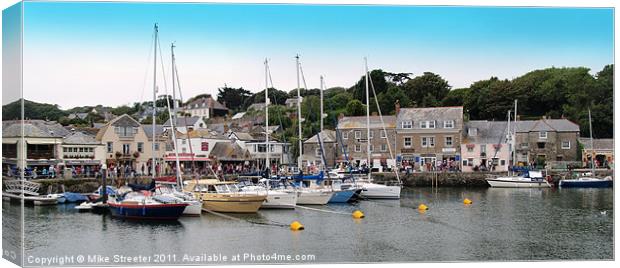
539, 141
354, 137
425, 136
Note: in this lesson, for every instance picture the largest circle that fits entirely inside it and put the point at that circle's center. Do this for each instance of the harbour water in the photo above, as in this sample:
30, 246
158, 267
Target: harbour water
501, 224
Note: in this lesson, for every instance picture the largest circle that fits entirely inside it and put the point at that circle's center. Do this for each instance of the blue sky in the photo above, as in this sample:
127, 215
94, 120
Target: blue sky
100, 50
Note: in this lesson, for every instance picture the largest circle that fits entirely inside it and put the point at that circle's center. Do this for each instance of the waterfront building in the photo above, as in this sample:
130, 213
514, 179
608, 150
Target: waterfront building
428, 137
41, 145
602, 149
257, 106
205, 107
292, 102
538, 141
82, 151
183, 124
354, 139
312, 153
194, 149
127, 142
485, 146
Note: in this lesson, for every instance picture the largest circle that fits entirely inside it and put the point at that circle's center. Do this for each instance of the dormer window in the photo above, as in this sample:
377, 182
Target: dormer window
448, 124
427, 124
472, 132
407, 124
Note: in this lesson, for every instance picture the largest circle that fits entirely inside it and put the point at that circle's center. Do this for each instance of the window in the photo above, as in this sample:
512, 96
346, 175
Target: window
110, 147
358, 134
470, 162
464, 162
372, 148
427, 124
183, 141
64, 150
502, 162
126, 148
157, 146
543, 135
483, 148
565, 144
541, 145
470, 148
371, 134
407, 124
384, 147
407, 142
428, 142
448, 124
383, 134
317, 152
358, 148
346, 148
472, 131
524, 145
345, 135
449, 141
140, 147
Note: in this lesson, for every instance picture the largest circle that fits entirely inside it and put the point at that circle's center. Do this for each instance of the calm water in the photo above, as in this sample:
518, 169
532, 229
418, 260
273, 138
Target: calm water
502, 224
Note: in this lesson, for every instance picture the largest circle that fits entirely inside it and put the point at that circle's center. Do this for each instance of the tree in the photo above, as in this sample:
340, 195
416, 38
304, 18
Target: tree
387, 100
234, 98
427, 90
456, 97
32, 110
355, 108
377, 77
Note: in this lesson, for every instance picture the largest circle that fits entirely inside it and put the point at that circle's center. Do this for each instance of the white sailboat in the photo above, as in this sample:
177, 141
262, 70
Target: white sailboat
527, 179
170, 190
275, 198
370, 189
588, 180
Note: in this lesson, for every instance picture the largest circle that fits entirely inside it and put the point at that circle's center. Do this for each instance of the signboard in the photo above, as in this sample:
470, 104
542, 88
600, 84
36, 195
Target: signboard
204, 146
448, 150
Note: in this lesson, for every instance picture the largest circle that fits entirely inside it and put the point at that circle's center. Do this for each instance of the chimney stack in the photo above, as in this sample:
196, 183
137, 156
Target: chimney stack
340, 116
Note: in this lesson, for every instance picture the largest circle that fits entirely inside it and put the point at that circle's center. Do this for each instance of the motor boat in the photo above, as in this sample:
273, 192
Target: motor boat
221, 196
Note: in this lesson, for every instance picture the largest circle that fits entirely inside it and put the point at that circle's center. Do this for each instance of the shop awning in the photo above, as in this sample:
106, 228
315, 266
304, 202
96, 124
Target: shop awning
186, 158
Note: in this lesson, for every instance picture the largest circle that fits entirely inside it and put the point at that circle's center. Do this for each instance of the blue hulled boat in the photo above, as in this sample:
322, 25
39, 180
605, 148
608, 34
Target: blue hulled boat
74, 197
342, 196
142, 206
587, 182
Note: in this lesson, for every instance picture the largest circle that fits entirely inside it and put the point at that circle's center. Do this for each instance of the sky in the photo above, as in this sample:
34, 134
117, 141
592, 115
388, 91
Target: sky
78, 54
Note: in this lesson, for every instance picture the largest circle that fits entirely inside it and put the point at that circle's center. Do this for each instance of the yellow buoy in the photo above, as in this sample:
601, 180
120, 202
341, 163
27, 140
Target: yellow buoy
357, 214
422, 207
296, 226
467, 201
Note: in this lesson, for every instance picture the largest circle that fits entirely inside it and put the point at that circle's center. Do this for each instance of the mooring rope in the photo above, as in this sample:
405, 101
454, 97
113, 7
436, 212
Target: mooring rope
324, 210
270, 223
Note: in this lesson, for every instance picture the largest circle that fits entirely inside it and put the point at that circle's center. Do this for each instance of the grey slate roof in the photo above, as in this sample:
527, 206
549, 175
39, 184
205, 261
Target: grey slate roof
229, 151
327, 136
79, 138
559, 125
438, 114
205, 102
599, 144
148, 130
354, 122
488, 132
34, 128
183, 121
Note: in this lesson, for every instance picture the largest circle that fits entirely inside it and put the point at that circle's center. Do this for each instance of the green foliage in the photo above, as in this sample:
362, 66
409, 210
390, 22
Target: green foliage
234, 98
427, 90
32, 110
378, 81
387, 100
355, 108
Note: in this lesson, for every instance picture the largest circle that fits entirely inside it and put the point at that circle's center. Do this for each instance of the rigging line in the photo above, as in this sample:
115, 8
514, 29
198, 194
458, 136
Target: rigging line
384, 128
148, 64
163, 71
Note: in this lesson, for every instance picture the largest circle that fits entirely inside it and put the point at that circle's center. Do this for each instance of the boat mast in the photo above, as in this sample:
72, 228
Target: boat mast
173, 120
298, 114
510, 144
367, 118
591, 142
514, 137
321, 90
321, 128
267, 162
154, 100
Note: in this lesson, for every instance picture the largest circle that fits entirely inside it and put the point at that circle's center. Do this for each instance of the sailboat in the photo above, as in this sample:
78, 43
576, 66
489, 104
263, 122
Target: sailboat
370, 189
275, 198
525, 178
174, 190
588, 180
143, 205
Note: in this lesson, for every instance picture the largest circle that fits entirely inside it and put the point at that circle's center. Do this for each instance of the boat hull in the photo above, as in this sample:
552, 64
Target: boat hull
378, 191
233, 204
194, 208
586, 183
342, 196
35, 200
503, 183
283, 201
314, 197
147, 212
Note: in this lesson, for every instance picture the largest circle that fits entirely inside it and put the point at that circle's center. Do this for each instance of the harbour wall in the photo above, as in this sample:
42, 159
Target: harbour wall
419, 179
